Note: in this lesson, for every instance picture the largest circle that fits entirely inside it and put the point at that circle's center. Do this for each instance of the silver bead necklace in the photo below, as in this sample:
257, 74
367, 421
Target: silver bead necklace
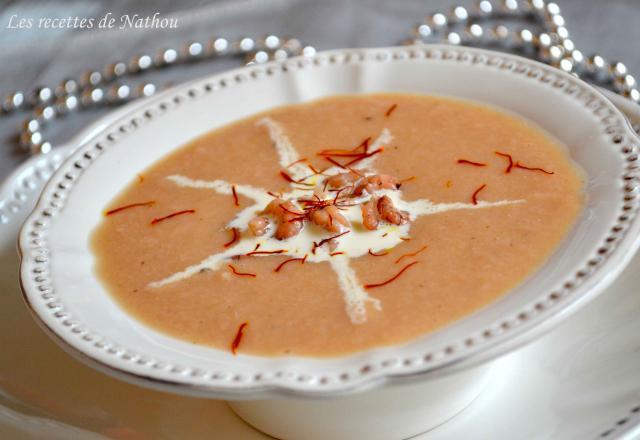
458, 26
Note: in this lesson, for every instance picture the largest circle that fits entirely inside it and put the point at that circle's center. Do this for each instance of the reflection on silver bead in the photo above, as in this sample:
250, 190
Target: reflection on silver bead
618, 69
553, 8
524, 38
71, 102
31, 125
422, 31
219, 46
537, 6
293, 45
66, 87
543, 40
271, 42
474, 32
556, 53
510, 6
562, 32
193, 50
437, 21
459, 14
596, 65
454, 38
245, 45
90, 79
308, 51
578, 59
44, 148
484, 8
145, 90
13, 101
566, 65
92, 96
557, 21
500, 33
44, 114
625, 83
280, 55
260, 57
41, 95
118, 93
633, 95
166, 57
568, 45
114, 70
140, 63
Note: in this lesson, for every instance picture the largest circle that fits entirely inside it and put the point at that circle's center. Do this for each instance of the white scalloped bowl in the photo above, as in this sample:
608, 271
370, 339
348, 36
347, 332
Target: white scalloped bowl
57, 265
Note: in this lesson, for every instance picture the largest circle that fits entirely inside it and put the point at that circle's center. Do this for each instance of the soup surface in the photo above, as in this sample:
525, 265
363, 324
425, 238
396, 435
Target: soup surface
338, 225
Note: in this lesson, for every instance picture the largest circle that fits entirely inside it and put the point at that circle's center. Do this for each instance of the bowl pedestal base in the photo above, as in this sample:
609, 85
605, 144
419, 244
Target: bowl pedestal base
392, 412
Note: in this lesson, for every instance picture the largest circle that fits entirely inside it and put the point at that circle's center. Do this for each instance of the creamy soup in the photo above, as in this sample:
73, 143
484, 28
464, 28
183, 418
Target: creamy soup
338, 225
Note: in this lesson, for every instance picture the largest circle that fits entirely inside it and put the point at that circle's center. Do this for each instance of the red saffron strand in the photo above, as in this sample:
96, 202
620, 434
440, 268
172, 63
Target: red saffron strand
508, 156
474, 197
304, 159
336, 163
281, 265
380, 254
363, 156
469, 162
239, 334
333, 254
235, 195
240, 274
405, 238
234, 238
391, 110
326, 240
289, 211
411, 254
133, 205
290, 179
523, 167
155, 221
257, 247
279, 251
395, 277
342, 152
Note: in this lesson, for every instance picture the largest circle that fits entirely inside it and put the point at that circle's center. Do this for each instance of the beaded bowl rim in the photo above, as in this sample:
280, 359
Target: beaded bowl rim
503, 336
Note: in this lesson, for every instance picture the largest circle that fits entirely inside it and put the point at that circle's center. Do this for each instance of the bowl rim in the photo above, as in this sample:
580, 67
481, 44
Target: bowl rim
115, 359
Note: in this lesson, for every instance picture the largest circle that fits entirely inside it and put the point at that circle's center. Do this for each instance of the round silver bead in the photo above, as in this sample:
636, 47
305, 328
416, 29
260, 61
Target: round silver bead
31, 125
44, 113
115, 70
271, 42
260, 57
524, 38
484, 8
501, 34
553, 8
293, 45
219, 46
625, 83
166, 57
30, 140
454, 38
556, 53
510, 7
44, 148
577, 58
90, 79
568, 45
41, 95
618, 69
633, 94
280, 55
543, 40
561, 32
245, 45
537, 6
309, 51
474, 32
596, 65
193, 50
556, 21
118, 93
459, 14
13, 101
67, 87
145, 90
422, 31
92, 96
437, 21
566, 65
140, 63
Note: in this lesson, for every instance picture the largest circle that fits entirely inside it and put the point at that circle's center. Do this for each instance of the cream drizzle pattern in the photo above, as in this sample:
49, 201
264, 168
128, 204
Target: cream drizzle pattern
354, 244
